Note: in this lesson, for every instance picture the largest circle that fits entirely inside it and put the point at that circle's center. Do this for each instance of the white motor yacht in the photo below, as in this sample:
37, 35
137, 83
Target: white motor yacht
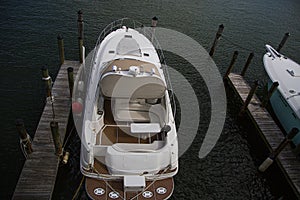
129, 141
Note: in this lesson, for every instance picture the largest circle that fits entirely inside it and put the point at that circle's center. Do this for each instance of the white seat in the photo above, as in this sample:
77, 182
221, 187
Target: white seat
137, 111
145, 128
123, 115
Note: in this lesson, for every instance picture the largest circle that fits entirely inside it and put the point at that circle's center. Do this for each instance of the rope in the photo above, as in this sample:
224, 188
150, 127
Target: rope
76, 193
235, 44
69, 135
114, 190
155, 179
23, 146
108, 183
67, 139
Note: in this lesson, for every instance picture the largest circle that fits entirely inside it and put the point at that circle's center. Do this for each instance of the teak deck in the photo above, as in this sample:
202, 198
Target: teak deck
110, 187
38, 176
270, 132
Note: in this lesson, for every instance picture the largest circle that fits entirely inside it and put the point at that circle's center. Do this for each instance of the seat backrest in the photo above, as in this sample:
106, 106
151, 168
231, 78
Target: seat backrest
115, 85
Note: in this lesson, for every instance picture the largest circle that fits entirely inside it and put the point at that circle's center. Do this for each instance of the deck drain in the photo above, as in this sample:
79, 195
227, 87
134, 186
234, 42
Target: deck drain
147, 194
161, 190
113, 195
99, 191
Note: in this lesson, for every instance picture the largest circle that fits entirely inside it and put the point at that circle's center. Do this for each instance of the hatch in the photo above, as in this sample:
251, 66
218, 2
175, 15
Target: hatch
128, 46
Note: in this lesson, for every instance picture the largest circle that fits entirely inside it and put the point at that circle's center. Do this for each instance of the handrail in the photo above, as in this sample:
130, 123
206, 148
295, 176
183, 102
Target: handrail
272, 51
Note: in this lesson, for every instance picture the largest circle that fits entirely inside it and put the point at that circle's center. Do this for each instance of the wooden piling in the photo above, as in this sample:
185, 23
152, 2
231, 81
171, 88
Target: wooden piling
270, 93
218, 35
80, 35
284, 39
56, 138
249, 97
48, 81
154, 21
25, 138
234, 57
48, 84
153, 26
70, 80
80, 24
285, 141
61, 49
80, 46
268, 162
251, 55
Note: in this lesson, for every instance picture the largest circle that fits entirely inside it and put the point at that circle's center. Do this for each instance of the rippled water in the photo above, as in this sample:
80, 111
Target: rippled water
28, 41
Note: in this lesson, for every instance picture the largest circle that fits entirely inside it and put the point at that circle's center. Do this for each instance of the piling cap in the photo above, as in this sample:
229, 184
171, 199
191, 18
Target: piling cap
54, 124
79, 12
70, 69
59, 37
44, 68
154, 21
19, 122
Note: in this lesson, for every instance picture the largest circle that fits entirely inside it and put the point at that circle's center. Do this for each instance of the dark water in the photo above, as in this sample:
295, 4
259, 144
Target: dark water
28, 32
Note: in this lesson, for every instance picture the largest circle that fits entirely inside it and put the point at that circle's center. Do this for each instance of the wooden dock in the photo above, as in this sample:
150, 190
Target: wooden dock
270, 132
38, 176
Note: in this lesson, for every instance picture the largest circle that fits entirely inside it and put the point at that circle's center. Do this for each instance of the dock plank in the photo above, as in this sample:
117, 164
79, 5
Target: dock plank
38, 175
270, 132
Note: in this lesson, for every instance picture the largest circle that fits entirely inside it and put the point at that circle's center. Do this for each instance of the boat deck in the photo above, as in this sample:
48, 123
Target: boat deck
269, 131
99, 167
114, 134
105, 190
119, 133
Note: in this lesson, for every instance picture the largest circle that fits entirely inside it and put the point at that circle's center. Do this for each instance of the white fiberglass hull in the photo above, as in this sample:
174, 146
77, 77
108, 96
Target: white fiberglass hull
129, 131
286, 100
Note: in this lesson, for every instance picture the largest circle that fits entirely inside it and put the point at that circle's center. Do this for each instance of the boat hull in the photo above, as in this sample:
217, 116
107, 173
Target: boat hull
105, 190
128, 129
284, 113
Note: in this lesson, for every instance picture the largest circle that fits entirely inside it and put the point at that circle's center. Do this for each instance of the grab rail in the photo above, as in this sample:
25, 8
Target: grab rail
272, 51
